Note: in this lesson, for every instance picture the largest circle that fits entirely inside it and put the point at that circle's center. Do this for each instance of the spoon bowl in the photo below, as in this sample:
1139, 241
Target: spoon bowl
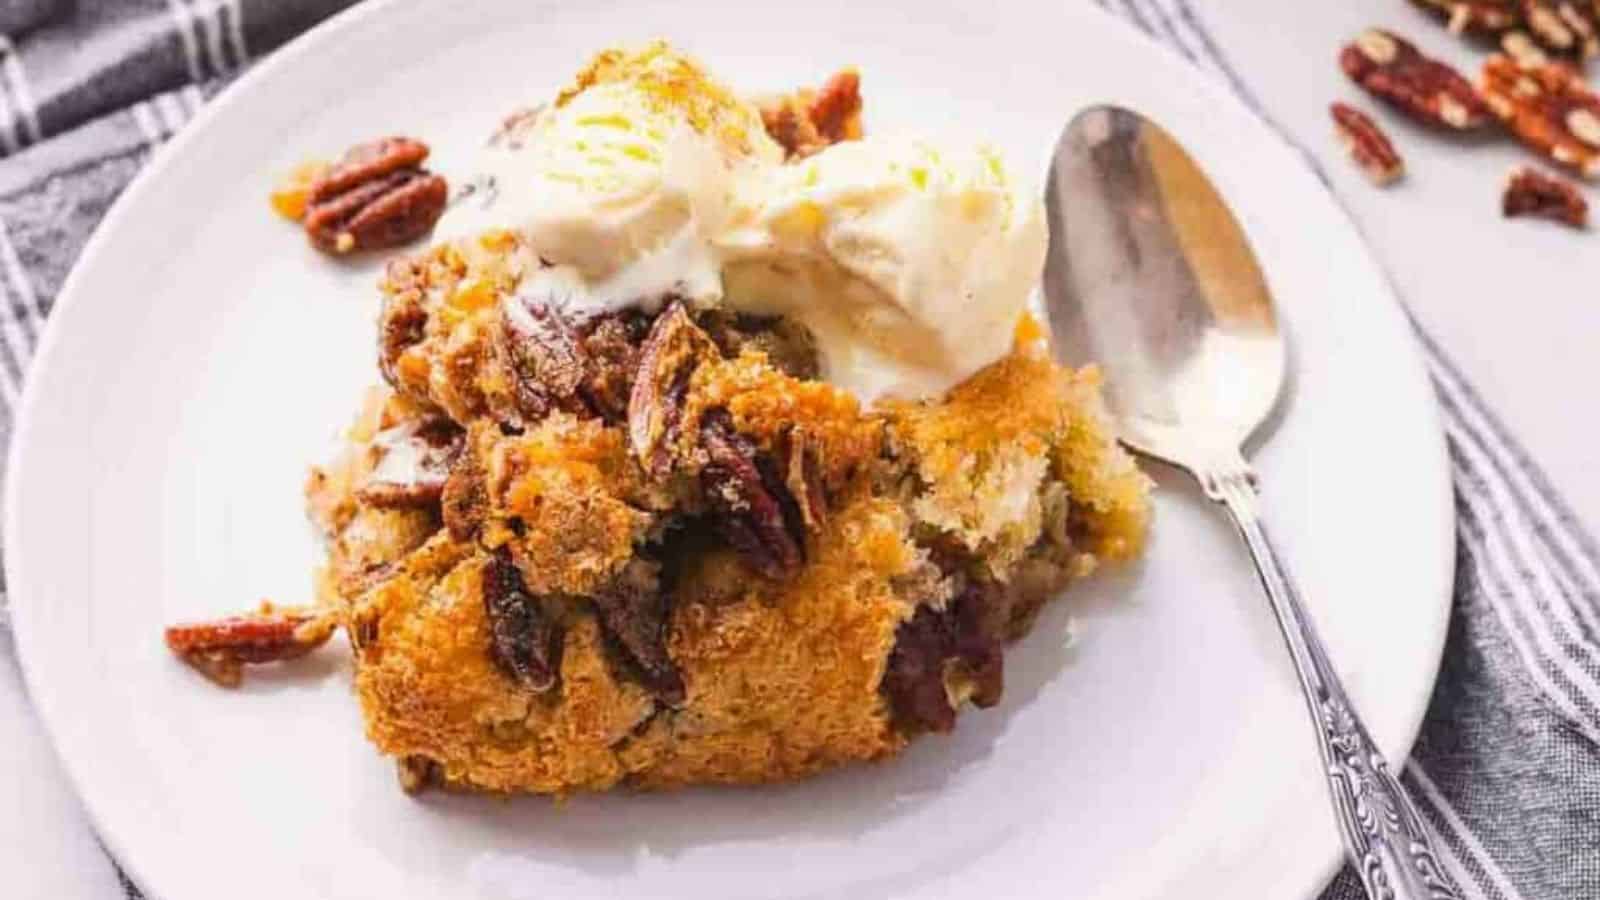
1150, 273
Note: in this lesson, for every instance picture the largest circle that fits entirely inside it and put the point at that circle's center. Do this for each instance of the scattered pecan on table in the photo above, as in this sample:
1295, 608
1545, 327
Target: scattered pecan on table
1529, 192
1368, 145
377, 195
1476, 16
220, 649
1567, 27
1522, 48
1549, 108
1394, 70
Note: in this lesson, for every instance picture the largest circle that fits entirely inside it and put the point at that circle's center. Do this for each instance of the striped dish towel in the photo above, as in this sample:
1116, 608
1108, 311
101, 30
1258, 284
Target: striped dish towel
1507, 768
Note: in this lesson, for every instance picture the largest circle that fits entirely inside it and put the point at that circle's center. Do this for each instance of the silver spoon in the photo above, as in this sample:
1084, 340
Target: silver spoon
1149, 275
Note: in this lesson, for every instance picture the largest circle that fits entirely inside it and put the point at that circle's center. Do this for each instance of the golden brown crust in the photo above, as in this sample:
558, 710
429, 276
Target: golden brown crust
747, 648
986, 458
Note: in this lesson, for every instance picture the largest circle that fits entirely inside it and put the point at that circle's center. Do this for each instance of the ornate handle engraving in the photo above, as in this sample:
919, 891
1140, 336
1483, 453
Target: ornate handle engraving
1383, 833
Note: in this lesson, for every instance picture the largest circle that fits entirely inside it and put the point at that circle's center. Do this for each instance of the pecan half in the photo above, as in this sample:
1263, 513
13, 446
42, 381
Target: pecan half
633, 611
465, 499
546, 362
1522, 48
672, 351
1476, 15
943, 657
1394, 70
611, 347
1549, 108
220, 649
808, 121
1368, 145
584, 366
1529, 192
523, 641
1563, 26
375, 196
748, 501
415, 462
836, 106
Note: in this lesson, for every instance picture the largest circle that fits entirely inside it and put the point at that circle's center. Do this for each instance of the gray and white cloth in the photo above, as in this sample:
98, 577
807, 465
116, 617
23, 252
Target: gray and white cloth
1507, 768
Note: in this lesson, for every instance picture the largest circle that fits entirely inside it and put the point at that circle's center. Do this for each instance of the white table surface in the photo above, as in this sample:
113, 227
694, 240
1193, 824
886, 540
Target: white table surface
1515, 303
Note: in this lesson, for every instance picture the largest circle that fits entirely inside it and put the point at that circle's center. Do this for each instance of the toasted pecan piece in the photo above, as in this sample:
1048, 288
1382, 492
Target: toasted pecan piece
1477, 16
1566, 27
375, 196
674, 348
1395, 71
220, 649
1368, 145
1549, 108
1522, 48
523, 640
542, 347
464, 501
808, 121
633, 612
943, 657
1529, 192
749, 501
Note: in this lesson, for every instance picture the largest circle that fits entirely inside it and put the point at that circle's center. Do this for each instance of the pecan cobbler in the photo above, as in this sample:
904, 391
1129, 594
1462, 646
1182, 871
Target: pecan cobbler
716, 446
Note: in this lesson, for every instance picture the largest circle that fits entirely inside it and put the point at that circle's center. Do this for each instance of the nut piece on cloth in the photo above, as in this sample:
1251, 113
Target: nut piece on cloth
1549, 108
377, 195
1529, 192
1368, 145
1477, 16
1394, 70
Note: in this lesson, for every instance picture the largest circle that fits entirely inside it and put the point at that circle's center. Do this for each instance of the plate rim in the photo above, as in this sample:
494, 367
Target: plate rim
18, 454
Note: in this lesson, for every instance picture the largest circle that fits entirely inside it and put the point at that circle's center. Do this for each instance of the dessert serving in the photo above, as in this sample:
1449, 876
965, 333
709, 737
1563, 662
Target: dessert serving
716, 444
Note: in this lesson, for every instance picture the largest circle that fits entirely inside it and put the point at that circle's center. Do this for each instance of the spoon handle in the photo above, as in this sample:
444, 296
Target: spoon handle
1382, 830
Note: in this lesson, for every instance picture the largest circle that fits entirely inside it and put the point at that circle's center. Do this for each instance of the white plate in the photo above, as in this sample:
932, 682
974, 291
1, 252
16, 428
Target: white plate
200, 357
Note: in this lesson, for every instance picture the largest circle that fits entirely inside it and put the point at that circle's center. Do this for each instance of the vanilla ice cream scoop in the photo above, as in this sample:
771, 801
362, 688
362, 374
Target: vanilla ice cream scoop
911, 262
622, 181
